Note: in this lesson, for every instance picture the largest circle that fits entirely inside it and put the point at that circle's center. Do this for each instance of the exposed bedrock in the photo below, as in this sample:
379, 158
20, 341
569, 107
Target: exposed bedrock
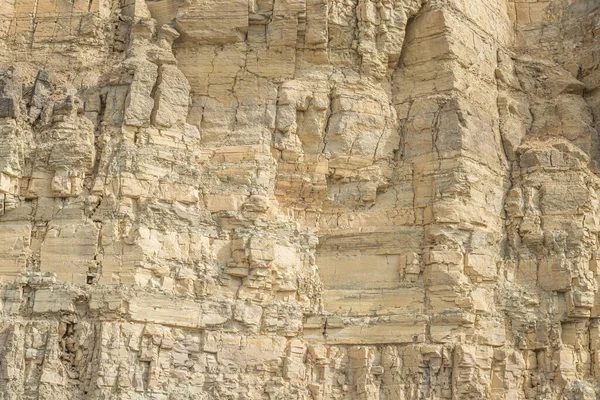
299, 199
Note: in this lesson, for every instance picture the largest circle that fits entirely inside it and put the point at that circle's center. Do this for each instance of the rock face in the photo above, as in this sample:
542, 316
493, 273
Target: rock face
299, 199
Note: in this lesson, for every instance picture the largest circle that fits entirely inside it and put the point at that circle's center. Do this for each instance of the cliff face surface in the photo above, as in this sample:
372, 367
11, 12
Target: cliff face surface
299, 199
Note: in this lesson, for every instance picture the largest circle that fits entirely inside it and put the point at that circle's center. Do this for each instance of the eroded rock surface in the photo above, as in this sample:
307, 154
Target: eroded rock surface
299, 199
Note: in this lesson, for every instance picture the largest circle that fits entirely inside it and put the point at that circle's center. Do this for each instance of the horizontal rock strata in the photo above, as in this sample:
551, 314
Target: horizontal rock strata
299, 199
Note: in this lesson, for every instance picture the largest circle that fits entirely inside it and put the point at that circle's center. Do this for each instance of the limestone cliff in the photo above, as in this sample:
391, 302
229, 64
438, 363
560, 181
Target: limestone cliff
299, 199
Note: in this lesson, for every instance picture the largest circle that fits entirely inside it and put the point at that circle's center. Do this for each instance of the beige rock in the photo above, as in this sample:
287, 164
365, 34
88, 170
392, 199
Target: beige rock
302, 199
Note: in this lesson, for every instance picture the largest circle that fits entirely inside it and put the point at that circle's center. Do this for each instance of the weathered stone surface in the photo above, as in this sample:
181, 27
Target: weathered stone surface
299, 199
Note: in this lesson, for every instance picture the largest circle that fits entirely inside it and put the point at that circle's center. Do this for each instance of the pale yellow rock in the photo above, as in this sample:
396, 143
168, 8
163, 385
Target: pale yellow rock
303, 199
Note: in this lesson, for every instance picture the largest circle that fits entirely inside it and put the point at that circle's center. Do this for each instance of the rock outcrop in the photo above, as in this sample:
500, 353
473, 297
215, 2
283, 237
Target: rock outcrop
300, 199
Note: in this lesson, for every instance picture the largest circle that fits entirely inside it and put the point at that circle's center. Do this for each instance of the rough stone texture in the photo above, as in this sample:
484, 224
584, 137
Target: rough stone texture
299, 199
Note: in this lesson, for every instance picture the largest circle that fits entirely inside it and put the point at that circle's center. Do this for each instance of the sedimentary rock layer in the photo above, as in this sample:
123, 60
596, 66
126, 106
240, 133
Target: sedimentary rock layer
299, 199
